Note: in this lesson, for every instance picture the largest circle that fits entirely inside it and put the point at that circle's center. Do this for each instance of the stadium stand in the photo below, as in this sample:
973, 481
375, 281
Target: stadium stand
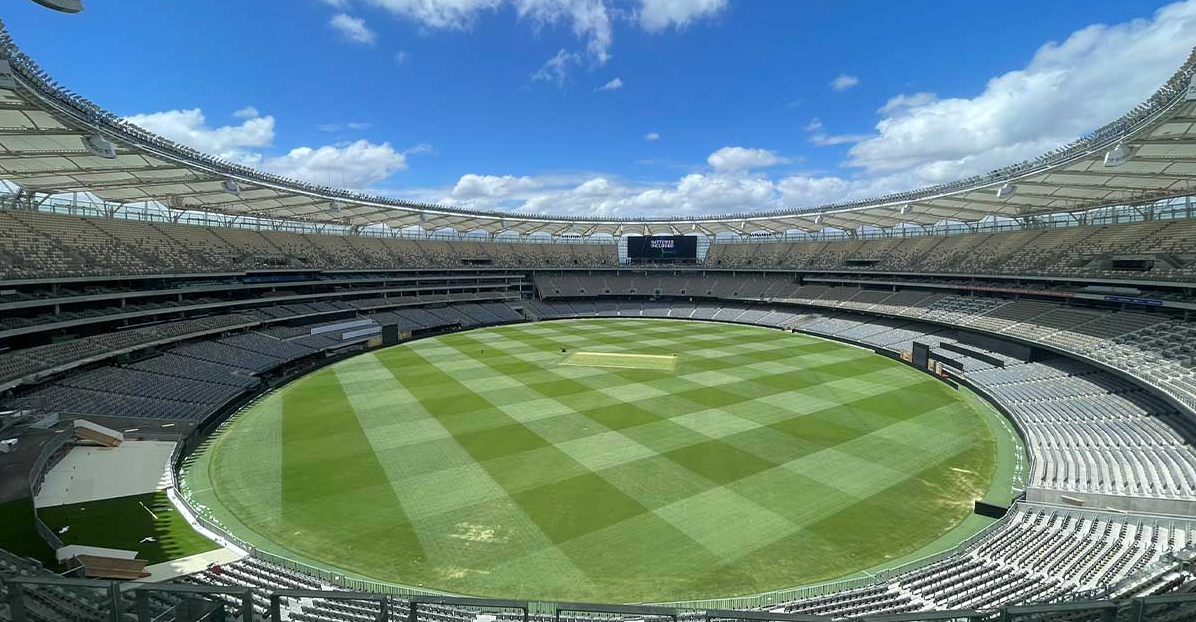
1079, 329
45, 245
93, 246
1089, 431
1058, 252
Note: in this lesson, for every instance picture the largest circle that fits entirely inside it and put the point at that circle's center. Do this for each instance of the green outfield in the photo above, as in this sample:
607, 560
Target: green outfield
479, 463
146, 523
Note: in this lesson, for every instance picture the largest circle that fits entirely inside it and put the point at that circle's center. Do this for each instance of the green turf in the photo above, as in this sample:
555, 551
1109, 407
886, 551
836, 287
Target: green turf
123, 522
476, 463
17, 534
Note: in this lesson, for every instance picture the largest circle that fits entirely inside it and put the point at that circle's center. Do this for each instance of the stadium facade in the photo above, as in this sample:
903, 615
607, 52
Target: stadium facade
184, 287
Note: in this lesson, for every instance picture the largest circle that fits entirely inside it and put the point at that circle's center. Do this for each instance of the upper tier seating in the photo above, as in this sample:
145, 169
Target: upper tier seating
1067, 251
38, 245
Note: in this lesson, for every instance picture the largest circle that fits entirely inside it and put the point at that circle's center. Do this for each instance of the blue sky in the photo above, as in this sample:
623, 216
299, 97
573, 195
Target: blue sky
713, 106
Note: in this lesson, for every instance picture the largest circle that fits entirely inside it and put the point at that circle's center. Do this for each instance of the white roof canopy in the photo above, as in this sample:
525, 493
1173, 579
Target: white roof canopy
44, 132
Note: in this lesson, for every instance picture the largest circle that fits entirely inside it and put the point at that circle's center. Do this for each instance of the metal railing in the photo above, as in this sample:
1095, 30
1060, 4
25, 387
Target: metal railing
37, 475
36, 598
155, 214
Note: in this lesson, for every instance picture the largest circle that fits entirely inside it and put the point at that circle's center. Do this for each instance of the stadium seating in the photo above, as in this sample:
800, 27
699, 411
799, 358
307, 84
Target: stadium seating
1062, 252
39, 245
1089, 425
87, 246
1037, 553
192, 380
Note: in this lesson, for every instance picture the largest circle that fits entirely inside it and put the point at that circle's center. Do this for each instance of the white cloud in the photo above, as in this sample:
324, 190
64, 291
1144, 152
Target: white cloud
248, 112
607, 196
651, 137
901, 103
743, 159
401, 57
844, 82
1068, 88
337, 4
189, 127
556, 69
695, 193
352, 28
656, 15
338, 127
442, 14
823, 139
613, 85
589, 194
808, 190
819, 137
356, 165
599, 195
490, 186
590, 20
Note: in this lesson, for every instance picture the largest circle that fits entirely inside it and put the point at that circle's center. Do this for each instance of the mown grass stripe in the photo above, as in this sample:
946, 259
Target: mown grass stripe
548, 504
519, 477
328, 467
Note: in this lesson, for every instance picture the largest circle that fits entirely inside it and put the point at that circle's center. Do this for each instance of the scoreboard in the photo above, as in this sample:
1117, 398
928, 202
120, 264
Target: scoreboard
680, 248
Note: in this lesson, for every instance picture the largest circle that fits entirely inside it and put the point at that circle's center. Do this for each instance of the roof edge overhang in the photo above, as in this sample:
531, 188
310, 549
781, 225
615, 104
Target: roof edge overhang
86, 117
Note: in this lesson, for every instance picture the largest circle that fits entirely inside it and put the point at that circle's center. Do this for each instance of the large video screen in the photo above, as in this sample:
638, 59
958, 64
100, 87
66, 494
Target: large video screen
662, 248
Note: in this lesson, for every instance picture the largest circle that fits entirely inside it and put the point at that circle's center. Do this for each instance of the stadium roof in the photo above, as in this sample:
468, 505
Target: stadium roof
53, 141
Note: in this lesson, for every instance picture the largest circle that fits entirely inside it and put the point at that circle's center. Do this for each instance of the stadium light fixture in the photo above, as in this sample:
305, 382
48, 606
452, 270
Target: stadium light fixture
99, 146
65, 6
7, 79
230, 186
1006, 191
906, 208
337, 206
1118, 155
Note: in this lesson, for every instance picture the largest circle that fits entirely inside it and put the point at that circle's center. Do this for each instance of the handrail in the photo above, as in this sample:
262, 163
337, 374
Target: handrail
37, 474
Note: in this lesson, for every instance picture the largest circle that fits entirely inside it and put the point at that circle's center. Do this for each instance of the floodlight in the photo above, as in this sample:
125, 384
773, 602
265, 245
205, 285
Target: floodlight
7, 79
66, 6
99, 146
1118, 155
1006, 191
230, 186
